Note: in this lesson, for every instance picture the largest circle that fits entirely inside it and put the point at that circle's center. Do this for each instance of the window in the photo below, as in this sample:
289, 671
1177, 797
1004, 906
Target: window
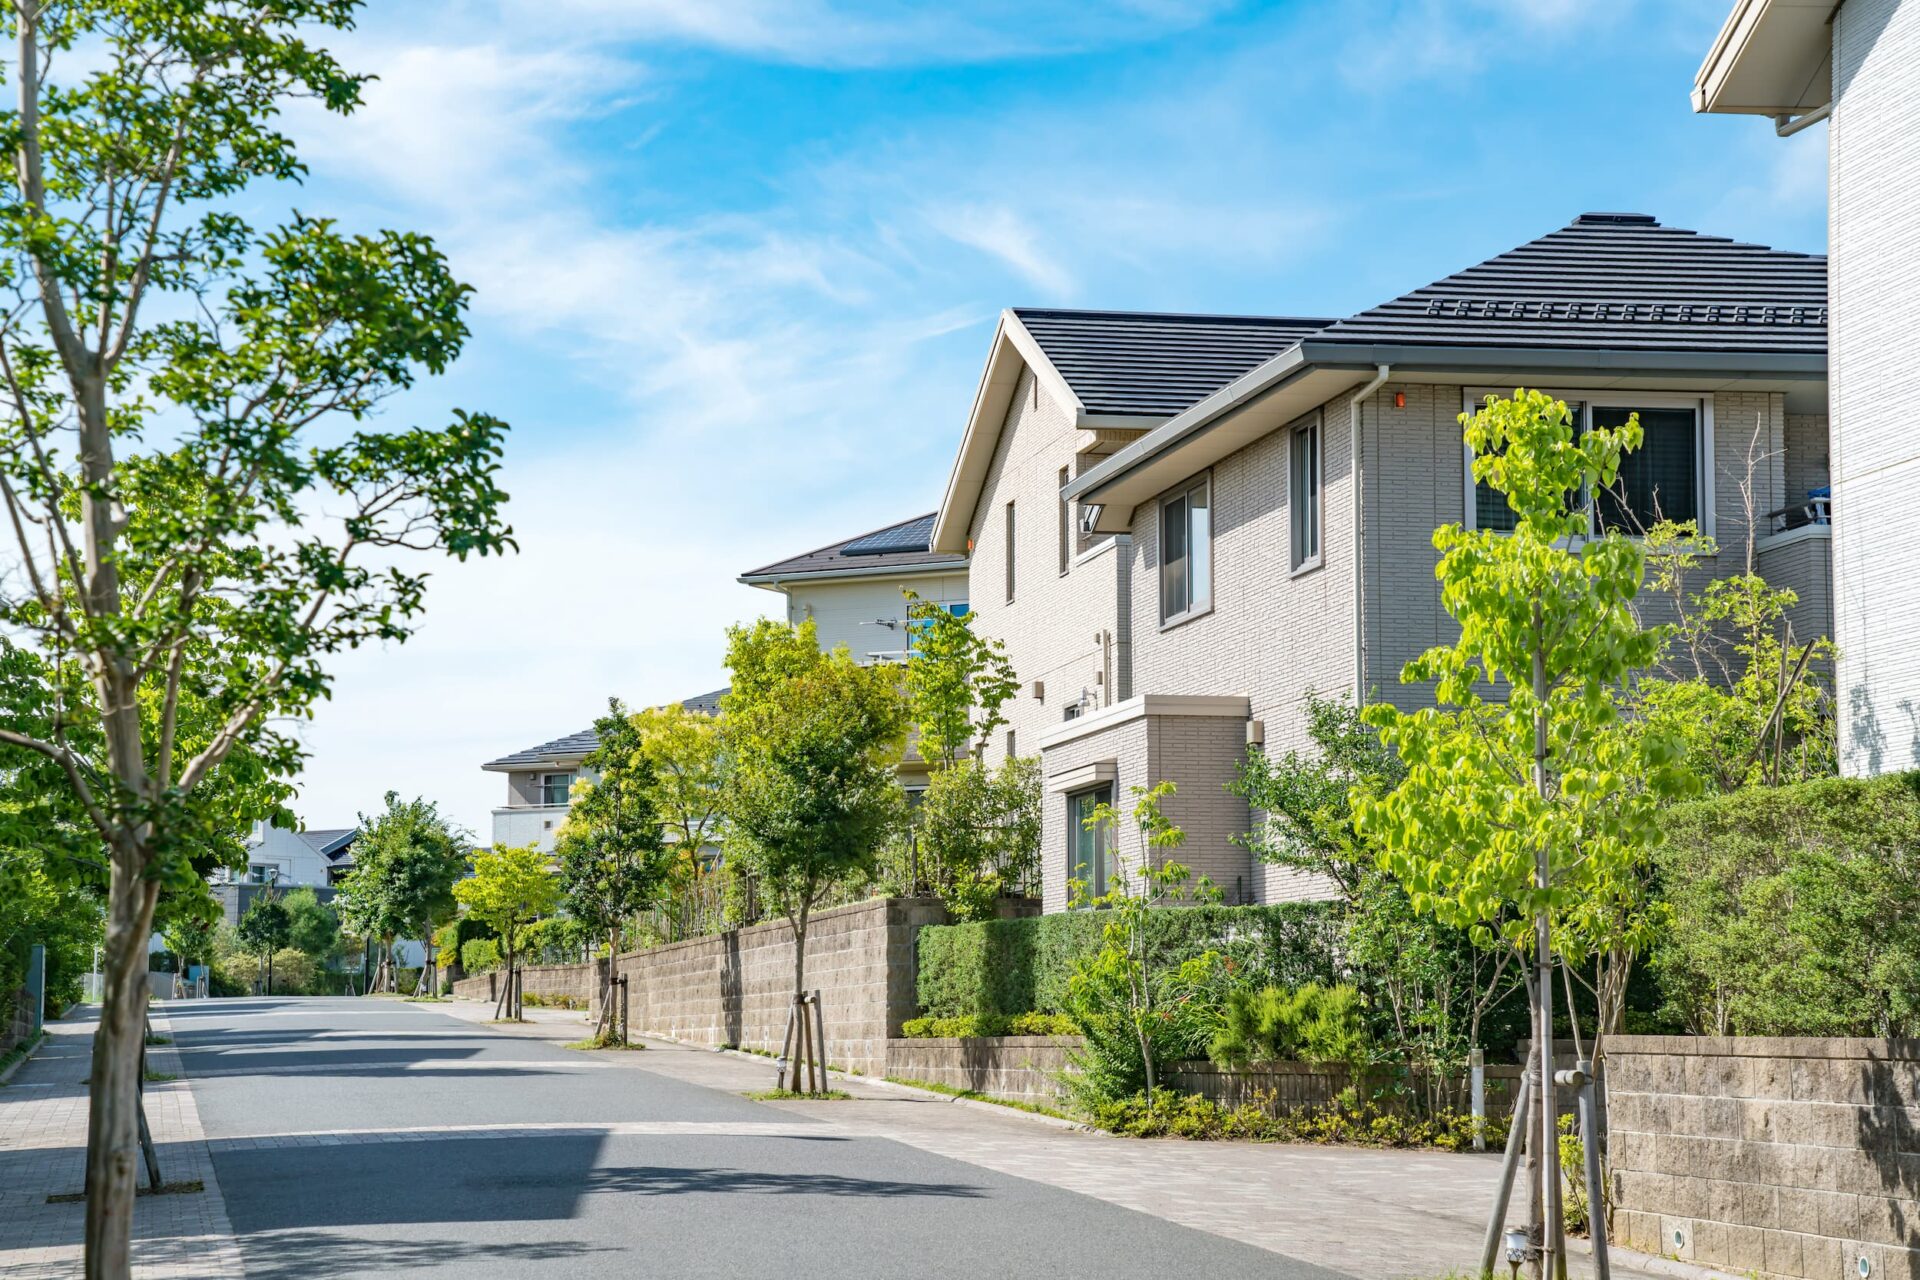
1664, 479
1090, 843
263, 873
1011, 753
1186, 553
554, 788
1303, 495
1659, 480
1066, 526
916, 625
1009, 553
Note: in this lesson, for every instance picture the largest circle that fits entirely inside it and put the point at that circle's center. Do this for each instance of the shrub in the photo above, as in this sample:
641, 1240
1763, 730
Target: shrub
1795, 911
988, 1024
1009, 967
1346, 1122
1308, 1024
479, 955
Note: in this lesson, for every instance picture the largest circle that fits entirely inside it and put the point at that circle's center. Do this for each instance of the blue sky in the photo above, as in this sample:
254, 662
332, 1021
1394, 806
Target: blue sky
737, 263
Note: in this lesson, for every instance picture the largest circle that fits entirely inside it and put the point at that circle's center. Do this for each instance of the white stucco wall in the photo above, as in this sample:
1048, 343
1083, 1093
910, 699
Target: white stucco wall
1874, 289
850, 611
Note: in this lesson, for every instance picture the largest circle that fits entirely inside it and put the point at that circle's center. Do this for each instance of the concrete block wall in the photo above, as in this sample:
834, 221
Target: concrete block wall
736, 988
580, 983
1768, 1156
1018, 1068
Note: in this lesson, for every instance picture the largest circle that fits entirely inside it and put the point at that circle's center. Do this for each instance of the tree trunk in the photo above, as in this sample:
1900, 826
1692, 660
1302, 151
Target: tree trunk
113, 1137
800, 985
1552, 1264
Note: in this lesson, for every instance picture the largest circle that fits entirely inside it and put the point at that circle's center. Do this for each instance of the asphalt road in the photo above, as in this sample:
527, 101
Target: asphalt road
657, 1177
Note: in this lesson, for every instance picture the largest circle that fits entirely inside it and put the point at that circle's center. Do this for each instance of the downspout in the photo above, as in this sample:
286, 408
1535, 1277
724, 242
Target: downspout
1360, 397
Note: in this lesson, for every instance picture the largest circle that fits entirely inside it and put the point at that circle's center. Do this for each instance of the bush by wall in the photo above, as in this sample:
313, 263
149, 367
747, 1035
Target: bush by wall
1796, 910
478, 955
1001, 968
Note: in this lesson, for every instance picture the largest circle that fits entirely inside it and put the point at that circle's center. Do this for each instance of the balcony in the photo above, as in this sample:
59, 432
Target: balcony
1797, 554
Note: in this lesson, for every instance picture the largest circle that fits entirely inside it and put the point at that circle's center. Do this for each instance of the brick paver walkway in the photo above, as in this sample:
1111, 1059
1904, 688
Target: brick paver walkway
43, 1136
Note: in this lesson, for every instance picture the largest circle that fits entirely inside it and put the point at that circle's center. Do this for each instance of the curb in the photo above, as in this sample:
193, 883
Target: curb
882, 1082
1658, 1264
33, 1047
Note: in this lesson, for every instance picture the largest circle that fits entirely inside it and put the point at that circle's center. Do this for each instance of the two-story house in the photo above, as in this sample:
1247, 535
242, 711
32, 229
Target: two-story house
281, 860
1180, 525
1853, 63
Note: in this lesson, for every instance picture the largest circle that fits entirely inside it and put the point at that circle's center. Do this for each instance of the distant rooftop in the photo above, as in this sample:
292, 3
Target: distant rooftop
1148, 364
896, 547
571, 750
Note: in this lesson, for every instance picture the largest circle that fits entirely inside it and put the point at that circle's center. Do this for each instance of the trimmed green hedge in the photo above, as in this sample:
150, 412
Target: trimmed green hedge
1002, 968
1796, 910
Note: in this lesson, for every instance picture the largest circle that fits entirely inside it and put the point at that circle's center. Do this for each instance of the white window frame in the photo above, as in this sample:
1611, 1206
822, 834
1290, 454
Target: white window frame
1474, 399
570, 775
1197, 606
1317, 513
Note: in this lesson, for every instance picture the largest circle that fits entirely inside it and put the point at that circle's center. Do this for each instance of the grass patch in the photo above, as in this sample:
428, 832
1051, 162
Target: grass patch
156, 1038
160, 1077
595, 1045
425, 999
974, 1095
164, 1189
788, 1095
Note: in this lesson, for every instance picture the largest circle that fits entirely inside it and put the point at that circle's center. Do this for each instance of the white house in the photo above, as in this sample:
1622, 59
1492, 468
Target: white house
1856, 65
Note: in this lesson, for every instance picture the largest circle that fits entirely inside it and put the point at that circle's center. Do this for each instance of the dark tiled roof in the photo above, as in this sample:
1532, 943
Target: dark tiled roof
1615, 281
571, 747
330, 842
577, 745
896, 546
1143, 364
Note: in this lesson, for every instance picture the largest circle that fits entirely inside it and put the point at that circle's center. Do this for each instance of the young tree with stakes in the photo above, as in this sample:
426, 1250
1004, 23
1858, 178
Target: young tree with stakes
511, 887
406, 860
1532, 816
813, 739
265, 929
163, 510
614, 858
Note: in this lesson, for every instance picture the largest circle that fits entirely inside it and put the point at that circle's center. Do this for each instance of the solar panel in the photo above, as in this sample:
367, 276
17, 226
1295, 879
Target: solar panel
911, 536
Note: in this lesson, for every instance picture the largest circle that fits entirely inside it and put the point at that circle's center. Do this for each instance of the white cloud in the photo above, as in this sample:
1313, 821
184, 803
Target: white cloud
1002, 233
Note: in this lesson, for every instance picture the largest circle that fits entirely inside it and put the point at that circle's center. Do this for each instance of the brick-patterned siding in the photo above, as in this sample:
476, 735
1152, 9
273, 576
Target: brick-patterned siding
1802, 560
1873, 156
1052, 627
1769, 1157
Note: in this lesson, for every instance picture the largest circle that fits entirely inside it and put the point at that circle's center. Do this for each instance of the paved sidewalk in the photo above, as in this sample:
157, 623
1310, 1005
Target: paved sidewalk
1359, 1211
43, 1138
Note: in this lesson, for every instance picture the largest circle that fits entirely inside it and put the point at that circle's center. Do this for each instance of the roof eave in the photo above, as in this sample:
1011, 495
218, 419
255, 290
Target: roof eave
1136, 463
1770, 58
775, 581
1013, 349
544, 762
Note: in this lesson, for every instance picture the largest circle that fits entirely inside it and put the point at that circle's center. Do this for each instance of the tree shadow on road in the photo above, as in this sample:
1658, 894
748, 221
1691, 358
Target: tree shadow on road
650, 1180
298, 1255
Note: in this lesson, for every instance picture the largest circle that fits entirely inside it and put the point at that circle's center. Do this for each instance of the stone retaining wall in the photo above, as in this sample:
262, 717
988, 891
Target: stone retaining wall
1293, 1086
578, 982
1766, 1156
736, 988
1019, 1068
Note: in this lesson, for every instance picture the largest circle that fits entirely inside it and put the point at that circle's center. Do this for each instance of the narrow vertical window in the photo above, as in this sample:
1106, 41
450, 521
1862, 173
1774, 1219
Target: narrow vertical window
1090, 843
1186, 552
1304, 496
1010, 553
1066, 525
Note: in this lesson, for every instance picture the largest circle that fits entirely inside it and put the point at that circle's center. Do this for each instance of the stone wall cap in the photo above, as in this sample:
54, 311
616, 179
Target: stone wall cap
1845, 1048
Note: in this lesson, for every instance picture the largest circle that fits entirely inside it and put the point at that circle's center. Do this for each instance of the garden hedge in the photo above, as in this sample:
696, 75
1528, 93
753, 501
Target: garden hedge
1003, 968
1795, 910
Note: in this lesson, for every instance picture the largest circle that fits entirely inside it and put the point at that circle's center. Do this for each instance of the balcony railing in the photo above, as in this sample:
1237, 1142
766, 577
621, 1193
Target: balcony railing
1815, 509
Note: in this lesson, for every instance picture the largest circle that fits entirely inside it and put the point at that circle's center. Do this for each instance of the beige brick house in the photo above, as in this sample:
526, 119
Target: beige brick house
1168, 528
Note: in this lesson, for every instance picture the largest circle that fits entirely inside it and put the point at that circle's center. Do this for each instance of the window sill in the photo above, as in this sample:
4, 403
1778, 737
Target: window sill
1182, 619
1306, 567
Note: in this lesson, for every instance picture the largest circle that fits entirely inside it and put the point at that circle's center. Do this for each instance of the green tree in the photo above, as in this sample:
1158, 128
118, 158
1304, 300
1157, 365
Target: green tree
171, 541
688, 766
265, 929
957, 680
1121, 1000
511, 887
614, 859
1533, 816
313, 927
814, 739
978, 831
405, 862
